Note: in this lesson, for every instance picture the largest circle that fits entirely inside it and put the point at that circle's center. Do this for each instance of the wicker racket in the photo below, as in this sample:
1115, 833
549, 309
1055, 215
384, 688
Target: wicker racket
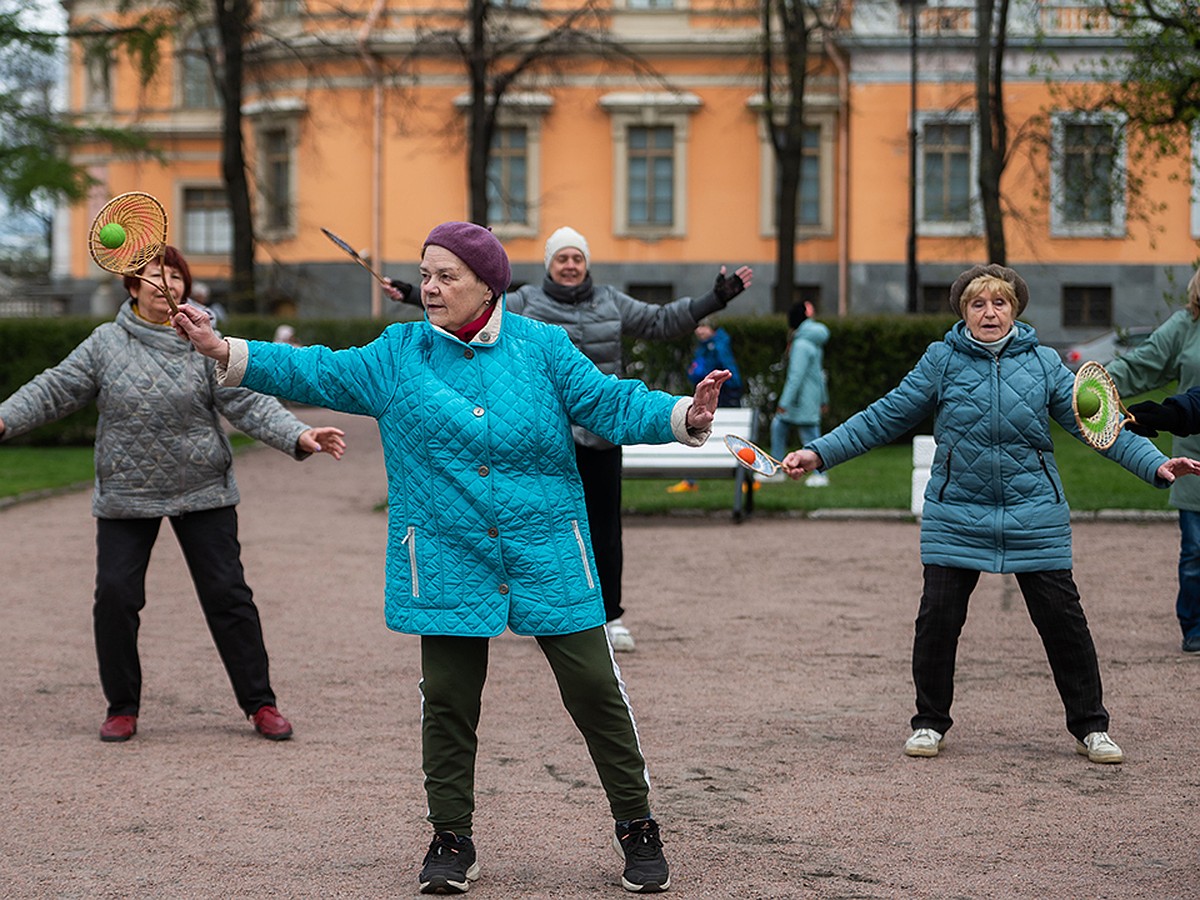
145, 223
1101, 428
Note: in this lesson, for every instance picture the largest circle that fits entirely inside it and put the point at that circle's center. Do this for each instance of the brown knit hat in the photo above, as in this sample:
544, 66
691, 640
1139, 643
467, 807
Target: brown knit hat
1020, 288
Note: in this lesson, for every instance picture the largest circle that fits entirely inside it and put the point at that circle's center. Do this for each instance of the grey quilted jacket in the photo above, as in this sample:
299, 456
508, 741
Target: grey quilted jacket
596, 325
160, 446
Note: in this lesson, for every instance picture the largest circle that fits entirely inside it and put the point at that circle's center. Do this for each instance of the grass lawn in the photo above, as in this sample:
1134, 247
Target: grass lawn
882, 479
24, 470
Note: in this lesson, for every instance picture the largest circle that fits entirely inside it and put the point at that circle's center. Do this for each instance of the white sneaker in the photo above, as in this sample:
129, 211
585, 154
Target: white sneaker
817, 479
924, 742
619, 636
1098, 747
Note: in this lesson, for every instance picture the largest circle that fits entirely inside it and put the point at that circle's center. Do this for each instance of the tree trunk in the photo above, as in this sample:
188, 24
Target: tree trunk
993, 138
785, 232
482, 122
232, 22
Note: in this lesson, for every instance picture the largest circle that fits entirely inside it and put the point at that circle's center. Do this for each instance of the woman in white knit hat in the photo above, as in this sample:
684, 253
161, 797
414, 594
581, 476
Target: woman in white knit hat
596, 317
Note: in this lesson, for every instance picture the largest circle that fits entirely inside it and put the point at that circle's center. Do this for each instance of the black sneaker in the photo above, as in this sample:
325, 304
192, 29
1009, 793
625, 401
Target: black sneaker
645, 866
450, 865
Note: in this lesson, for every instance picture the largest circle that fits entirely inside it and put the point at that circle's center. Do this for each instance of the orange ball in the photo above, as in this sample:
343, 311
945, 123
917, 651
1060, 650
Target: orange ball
747, 455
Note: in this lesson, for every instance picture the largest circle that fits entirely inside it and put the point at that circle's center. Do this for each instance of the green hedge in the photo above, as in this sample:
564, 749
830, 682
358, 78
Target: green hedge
29, 346
865, 357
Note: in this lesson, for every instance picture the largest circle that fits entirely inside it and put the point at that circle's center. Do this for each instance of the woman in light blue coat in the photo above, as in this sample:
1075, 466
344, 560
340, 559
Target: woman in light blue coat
994, 502
487, 524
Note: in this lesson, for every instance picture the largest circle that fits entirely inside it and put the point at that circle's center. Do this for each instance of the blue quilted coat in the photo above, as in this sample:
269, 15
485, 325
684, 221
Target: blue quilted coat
487, 526
994, 501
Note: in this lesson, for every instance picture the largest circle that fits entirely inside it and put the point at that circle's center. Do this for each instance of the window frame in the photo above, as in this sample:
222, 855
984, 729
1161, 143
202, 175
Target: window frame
650, 110
182, 189
189, 55
279, 113
1095, 288
1060, 226
521, 110
972, 226
1194, 195
820, 113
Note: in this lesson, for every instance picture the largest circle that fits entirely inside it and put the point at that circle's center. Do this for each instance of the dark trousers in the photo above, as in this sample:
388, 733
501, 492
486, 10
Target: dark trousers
601, 474
1053, 603
453, 670
210, 546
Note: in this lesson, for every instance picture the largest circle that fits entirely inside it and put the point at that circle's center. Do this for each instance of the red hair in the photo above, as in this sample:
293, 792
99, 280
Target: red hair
171, 257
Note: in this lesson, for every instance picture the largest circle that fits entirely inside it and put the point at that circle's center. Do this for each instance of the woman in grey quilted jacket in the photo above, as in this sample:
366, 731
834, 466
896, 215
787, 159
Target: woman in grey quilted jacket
161, 451
596, 317
994, 502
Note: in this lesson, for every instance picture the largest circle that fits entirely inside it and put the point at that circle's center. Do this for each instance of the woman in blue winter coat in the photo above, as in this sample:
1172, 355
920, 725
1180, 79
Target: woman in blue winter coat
994, 502
487, 524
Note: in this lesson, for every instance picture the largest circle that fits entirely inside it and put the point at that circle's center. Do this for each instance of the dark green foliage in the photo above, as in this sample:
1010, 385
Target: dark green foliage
30, 346
865, 358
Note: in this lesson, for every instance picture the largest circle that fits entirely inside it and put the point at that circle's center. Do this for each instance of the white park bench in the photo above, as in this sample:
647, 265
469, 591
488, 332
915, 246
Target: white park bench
713, 460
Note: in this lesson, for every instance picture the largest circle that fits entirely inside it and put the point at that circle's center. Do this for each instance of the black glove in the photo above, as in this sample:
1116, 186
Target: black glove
1151, 418
726, 287
410, 295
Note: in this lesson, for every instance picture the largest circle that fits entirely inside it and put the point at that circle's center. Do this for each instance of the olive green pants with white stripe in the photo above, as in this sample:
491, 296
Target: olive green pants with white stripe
453, 671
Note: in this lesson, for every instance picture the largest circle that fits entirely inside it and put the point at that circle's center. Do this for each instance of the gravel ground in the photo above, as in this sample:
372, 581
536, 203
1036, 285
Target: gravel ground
771, 684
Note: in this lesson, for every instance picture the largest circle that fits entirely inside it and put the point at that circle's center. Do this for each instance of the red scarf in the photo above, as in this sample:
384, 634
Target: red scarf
468, 331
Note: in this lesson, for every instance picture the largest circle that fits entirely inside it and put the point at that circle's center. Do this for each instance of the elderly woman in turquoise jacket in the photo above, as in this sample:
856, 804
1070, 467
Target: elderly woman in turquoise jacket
487, 526
994, 502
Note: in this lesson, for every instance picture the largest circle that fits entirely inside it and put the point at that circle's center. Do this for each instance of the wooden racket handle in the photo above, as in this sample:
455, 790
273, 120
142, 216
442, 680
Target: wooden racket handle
162, 288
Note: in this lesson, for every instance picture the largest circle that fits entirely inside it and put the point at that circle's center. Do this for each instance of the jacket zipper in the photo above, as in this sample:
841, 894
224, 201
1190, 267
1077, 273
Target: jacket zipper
410, 538
1046, 469
945, 484
583, 553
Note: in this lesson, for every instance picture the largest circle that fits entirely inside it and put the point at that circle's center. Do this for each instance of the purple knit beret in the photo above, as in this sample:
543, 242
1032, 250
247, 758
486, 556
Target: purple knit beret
478, 248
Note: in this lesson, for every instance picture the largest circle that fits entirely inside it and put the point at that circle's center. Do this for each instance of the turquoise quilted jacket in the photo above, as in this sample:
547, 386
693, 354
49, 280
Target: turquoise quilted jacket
994, 501
487, 527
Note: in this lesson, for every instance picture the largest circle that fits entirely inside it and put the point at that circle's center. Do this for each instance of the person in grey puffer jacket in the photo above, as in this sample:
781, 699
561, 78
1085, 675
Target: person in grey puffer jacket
994, 502
161, 451
596, 318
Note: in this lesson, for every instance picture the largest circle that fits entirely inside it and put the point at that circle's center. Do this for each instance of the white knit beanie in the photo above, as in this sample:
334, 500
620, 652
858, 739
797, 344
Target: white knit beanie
567, 237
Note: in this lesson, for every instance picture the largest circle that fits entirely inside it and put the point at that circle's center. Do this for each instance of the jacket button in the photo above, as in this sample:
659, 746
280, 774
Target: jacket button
503, 589
493, 531
469, 353
483, 470
478, 411
484, 336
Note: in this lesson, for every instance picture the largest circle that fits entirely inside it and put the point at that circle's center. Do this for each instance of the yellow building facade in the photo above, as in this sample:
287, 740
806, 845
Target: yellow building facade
649, 139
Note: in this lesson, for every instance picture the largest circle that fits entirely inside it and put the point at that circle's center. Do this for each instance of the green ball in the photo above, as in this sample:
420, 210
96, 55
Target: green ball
112, 235
1087, 401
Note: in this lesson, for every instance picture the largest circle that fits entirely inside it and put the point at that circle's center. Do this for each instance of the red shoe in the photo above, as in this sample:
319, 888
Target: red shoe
271, 725
118, 728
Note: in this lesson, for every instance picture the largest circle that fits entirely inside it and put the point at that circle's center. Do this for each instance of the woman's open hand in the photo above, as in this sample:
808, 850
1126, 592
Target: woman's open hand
1180, 465
704, 401
323, 440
